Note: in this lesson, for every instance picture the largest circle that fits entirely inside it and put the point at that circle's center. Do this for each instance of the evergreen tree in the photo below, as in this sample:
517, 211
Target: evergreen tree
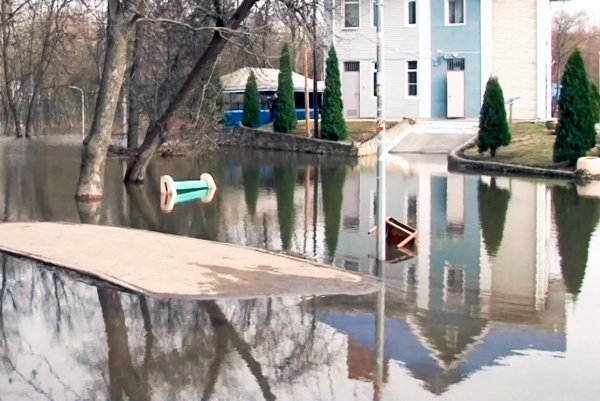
251, 116
494, 131
332, 184
576, 218
286, 119
333, 125
595, 95
493, 205
575, 132
251, 177
285, 184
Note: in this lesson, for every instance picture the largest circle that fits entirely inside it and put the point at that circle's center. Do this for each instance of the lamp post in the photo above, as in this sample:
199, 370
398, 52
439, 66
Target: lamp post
381, 198
82, 109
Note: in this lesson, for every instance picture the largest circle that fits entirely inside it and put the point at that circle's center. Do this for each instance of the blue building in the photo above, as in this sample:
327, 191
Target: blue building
234, 85
439, 55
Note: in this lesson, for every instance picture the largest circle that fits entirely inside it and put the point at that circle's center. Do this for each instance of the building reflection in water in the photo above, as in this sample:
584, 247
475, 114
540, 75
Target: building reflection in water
479, 290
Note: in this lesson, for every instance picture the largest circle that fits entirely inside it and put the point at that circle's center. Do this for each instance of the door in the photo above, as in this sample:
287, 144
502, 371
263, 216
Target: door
351, 89
456, 87
456, 94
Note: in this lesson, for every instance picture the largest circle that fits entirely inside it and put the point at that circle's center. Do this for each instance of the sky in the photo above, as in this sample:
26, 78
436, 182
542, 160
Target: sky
589, 6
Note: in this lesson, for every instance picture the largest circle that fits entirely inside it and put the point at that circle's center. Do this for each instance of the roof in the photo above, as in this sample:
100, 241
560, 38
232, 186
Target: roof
266, 79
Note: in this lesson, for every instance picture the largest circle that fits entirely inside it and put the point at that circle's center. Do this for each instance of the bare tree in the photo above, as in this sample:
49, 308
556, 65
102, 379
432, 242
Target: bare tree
569, 31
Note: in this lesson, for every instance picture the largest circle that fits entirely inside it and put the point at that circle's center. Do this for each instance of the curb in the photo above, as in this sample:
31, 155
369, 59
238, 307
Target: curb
458, 163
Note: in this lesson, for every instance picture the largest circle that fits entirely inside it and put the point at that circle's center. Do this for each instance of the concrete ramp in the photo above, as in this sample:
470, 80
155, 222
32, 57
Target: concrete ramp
169, 266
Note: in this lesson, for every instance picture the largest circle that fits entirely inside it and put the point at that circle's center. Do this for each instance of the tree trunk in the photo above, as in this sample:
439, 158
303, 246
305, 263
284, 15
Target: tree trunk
93, 159
201, 71
133, 122
10, 98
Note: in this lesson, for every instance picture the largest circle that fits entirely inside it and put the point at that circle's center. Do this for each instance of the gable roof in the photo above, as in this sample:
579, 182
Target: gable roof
266, 79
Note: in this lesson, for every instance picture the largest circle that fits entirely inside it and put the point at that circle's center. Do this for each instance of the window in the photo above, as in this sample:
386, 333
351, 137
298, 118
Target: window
411, 84
455, 12
374, 79
351, 13
352, 66
374, 11
456, 64
411, 12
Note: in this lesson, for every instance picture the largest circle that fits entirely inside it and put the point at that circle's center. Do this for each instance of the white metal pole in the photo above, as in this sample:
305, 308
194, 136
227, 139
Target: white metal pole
381, 198
82, 110
82, 115
379, 342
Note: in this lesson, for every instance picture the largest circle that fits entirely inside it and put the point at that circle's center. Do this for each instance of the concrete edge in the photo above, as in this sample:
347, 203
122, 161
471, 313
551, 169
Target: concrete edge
460, 164
123, 285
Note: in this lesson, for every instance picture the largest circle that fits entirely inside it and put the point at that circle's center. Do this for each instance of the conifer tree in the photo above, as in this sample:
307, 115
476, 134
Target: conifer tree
595, 95
333, 125
494, 131
251, 116
575, 132
286, 119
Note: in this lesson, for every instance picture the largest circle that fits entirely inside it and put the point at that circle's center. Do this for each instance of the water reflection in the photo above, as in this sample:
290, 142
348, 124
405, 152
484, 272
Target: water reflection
576, 219
493, 203
488, 292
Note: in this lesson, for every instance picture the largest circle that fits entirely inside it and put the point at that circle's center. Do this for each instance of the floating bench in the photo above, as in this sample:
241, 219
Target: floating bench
176, 192
399, 235
169, 186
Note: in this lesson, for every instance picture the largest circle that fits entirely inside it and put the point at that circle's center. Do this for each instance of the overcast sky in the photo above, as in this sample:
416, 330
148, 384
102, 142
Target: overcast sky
589, 6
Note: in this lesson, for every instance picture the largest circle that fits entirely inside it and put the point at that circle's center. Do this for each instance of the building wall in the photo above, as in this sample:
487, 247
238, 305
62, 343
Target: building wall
401, 44
464, 40
515, 53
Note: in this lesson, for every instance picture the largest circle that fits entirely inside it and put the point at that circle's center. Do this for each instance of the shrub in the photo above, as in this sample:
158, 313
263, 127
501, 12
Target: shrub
285, 113
494, 131
575, 132
251, 116
333, 126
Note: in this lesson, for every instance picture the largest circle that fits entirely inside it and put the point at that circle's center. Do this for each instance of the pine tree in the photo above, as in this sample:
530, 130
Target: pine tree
575, 132
286, 119
494, 131
332, 183
595, 95
493, 205
576, 218
251, 116
333, 125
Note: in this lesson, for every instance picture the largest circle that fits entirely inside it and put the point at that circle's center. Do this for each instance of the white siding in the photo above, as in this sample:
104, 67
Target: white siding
401, 44
515, 53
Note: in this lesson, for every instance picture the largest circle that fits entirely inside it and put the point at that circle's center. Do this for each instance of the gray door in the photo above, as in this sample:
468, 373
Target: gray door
351, 89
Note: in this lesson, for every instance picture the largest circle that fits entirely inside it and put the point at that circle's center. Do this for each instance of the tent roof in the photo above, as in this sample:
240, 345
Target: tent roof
266, 79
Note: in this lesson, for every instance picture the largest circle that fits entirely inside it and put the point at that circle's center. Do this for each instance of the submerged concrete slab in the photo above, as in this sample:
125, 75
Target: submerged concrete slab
163, 265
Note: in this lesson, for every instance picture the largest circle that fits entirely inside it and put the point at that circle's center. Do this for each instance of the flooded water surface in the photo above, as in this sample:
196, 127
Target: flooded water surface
497, 301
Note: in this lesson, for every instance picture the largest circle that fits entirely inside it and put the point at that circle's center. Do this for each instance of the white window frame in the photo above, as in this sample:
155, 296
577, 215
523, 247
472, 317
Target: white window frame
373, 13
407, 14
373, 72
447, 13
408, 84
351, 28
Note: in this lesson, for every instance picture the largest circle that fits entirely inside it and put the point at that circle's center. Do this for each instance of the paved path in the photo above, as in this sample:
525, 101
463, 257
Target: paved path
163, 265
431, 143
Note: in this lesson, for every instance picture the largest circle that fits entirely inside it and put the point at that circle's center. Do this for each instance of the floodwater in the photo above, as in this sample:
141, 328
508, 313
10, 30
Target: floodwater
500, 301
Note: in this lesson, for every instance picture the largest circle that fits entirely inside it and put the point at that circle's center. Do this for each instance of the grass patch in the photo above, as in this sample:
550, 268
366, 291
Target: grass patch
358, 131
531, 146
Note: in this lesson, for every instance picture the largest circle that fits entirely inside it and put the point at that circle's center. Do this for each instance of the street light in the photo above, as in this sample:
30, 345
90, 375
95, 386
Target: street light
381, 197
82, 110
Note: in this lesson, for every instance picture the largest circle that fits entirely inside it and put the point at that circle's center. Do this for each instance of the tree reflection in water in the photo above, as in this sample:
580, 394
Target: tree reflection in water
67, 337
